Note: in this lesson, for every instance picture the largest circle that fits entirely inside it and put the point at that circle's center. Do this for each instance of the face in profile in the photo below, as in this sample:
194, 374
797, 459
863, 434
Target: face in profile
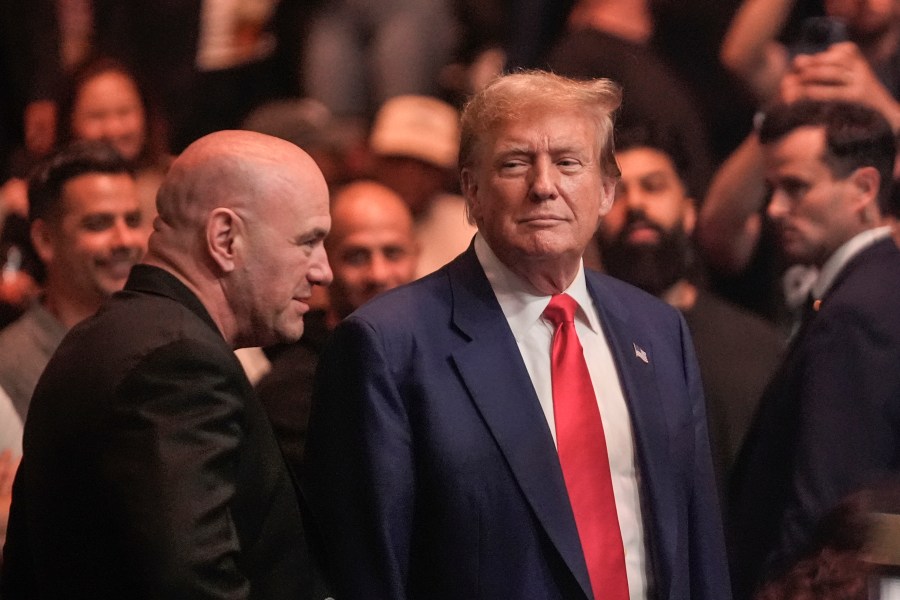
98, 236
537, 191
284, 257
371, 247
108, 107
811, 209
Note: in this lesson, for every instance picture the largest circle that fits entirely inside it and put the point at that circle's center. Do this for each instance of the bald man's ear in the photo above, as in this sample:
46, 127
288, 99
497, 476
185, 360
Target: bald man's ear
223, 230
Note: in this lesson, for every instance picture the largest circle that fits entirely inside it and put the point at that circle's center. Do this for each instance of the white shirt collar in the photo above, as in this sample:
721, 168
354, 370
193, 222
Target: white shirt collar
839, 259
521, 305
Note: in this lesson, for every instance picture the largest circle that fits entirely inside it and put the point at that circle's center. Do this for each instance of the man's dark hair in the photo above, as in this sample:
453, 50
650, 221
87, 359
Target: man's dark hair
652, 137
855, 136
46, 182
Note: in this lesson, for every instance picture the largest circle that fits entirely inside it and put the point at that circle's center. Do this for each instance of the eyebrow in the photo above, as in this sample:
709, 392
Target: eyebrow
317, 234
517, 149
655, 173
509, 150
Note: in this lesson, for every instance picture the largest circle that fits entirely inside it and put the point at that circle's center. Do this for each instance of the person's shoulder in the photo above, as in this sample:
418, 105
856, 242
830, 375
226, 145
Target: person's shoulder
711, 315
25, 332
870, 279
12, 333
883, 256
133, 323
862, 300
409, 303
627, 296
716, 309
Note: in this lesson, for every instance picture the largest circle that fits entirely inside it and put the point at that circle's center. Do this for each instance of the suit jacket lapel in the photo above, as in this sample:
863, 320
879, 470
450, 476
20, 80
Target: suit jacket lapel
493, 371
628, 343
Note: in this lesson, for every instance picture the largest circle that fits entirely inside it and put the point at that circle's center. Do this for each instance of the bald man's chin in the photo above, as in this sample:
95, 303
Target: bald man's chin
291, 334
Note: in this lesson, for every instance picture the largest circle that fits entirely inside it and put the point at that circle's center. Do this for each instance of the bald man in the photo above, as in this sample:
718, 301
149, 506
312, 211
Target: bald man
149, 469
372, 248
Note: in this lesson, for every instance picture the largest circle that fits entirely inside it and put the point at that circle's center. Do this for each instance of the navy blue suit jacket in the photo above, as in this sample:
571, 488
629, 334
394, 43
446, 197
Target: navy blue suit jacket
828, 423
432, 471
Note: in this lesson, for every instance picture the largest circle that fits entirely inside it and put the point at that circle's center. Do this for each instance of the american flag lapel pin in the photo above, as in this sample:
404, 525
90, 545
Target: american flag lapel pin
640, 353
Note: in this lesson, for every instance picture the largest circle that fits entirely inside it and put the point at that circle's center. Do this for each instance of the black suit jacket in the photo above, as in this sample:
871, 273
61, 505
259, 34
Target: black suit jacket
828, 423
150, 469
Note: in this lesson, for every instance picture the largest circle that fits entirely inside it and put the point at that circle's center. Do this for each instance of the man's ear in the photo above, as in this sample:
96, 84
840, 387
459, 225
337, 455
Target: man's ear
866, 181
42, 240
224, 230
469, 188
608, 186
689, 219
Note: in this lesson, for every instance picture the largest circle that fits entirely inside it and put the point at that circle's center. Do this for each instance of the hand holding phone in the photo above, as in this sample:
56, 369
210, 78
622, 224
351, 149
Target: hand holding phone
817, 34
840, 72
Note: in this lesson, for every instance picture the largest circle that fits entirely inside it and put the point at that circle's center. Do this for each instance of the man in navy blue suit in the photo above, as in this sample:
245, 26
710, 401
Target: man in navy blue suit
431, 466
828, 422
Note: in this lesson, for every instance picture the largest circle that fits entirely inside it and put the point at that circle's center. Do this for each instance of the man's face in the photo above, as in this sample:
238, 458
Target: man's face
536, 191
371, 248
109, 108
644, 238
283, 260
811, 209
650, 199
92, 246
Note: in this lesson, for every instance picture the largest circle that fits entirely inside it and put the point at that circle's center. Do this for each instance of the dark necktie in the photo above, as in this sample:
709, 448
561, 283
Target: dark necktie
583, 456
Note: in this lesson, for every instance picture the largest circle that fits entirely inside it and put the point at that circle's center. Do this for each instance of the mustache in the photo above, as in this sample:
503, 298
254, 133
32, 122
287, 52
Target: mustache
122, 253
635, 218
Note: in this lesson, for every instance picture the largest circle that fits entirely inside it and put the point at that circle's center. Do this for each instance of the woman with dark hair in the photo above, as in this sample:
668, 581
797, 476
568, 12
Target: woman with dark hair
104, 100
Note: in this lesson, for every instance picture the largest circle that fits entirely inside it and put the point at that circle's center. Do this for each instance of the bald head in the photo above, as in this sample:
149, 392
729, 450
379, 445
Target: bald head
242, 216
372, 244
231, 168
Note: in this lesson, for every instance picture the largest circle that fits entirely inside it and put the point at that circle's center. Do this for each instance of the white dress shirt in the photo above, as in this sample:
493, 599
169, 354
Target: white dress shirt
523, 306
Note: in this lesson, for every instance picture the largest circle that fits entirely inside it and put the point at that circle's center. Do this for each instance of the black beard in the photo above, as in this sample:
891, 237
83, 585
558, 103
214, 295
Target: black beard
653, 268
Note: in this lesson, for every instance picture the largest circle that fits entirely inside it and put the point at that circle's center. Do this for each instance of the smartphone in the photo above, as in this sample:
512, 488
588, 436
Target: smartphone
817, 34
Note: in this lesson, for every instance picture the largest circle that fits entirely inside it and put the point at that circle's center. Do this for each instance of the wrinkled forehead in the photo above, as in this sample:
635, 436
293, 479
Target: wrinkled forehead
520, 120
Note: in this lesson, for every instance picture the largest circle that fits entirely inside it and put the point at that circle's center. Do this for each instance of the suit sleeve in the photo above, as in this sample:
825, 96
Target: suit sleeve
180, 413
847, 436
358, 475
708, 566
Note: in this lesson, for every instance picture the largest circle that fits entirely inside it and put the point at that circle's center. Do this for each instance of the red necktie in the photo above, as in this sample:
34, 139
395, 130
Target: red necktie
583, 457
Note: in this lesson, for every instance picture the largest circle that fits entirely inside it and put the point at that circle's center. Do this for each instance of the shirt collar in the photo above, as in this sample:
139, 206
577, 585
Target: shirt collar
521, 304
839, 259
